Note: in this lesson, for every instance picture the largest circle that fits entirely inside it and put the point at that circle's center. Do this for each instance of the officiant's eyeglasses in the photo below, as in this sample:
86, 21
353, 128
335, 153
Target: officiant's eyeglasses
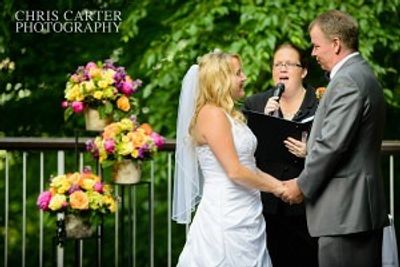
288, 65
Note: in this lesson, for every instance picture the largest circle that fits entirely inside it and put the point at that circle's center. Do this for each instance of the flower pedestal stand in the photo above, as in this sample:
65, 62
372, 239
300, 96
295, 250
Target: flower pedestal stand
126, 218
72, 228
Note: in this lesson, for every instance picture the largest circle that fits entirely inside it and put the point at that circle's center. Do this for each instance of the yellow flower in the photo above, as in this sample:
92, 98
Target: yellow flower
135, 153
98, 95
126, 124
79, 200
125, 148
73, 93
123, 103
103, 83
95, 200
74, 178
87, 184
95, 72
319, 92
108, 75
109, 93
89, 85
61, 184
109, 201
57, 202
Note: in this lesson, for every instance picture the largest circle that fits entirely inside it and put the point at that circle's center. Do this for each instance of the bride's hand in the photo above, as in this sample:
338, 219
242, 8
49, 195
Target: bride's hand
279, 189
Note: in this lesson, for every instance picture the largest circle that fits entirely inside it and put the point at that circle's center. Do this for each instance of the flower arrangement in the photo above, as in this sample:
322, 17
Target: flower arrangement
126, 139
102, 86
78, 193
319, 92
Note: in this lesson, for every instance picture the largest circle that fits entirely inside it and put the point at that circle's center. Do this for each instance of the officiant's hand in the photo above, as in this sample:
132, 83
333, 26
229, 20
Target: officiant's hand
272, 105
296, 147
292, 193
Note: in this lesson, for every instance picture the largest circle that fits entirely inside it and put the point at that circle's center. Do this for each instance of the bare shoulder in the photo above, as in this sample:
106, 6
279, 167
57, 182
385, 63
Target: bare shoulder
211, 112
211, 120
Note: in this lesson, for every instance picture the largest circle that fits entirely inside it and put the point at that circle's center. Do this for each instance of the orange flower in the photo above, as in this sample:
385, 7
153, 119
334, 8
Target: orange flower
79, 200
147, 128
110, 131
319, 92
123, 103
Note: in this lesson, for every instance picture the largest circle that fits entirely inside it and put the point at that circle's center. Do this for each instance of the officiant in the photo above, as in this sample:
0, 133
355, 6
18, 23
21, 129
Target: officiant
288, 240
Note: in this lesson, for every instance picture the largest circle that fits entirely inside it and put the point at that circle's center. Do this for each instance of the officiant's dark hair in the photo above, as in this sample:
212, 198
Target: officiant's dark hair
301, 52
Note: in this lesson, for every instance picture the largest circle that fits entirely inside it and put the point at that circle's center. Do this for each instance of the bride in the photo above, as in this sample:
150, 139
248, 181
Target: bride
215, 168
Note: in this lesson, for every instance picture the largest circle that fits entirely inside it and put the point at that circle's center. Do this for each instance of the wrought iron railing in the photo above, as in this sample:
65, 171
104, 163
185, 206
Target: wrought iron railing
27, 237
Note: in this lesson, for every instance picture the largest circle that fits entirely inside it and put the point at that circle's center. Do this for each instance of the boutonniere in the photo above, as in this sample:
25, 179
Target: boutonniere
319, 92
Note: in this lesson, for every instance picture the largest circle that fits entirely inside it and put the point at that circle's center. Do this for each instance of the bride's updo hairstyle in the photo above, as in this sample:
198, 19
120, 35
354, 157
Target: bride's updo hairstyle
216, 84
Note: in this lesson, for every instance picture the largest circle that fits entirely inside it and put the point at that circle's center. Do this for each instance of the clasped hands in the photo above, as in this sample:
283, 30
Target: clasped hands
289, 192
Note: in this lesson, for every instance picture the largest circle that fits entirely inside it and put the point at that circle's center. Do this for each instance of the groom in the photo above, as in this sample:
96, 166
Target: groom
341, 182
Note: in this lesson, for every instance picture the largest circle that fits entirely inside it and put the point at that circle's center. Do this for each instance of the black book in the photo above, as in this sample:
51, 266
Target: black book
272, 131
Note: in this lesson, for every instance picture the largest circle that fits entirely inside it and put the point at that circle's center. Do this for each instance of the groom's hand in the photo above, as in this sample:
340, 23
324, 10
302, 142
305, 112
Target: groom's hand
292, 193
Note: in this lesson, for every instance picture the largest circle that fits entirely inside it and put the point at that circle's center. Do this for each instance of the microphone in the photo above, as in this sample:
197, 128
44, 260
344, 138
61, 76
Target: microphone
278, 91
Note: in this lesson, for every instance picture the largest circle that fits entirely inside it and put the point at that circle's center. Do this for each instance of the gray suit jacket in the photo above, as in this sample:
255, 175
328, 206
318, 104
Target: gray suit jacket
341, 181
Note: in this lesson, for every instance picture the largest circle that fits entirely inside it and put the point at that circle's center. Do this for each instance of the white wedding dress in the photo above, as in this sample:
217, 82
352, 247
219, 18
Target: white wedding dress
228, 228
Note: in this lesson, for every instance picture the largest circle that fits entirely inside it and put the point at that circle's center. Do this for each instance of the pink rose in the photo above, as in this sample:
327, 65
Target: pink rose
158, 139
77, 106
98, 187
44, 200
109, 145
90, 65
64, 104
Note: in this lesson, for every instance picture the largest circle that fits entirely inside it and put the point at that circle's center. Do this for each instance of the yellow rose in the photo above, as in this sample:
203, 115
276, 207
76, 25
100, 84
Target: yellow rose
79, 200
135, 153
103, 83
108, 75
108, 93
98, 95
74, 178
95, 72
61, 184
125, 148
89, 85
126, 125
57, 202
87, 184
123, 103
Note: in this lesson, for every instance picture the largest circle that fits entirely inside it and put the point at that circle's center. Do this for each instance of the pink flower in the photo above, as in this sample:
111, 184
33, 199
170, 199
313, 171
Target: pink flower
44, 200
127, 88
98, 187
90, 65
64, 104
109, 145
158, 139
77, 106
75, 78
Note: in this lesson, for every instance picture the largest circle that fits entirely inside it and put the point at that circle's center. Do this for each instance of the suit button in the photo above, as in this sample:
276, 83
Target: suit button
295, 161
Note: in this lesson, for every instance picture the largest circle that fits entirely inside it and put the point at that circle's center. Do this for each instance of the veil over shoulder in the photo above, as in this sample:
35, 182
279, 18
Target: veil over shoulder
187, 176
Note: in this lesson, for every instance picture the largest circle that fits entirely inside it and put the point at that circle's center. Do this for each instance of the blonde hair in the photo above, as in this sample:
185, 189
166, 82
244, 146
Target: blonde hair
216, 85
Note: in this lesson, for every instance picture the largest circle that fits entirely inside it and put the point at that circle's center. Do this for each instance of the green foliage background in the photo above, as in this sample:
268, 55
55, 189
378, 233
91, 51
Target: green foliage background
159, 40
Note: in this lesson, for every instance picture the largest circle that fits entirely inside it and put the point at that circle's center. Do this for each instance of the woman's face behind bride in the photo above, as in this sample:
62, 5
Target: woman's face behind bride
239, 79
